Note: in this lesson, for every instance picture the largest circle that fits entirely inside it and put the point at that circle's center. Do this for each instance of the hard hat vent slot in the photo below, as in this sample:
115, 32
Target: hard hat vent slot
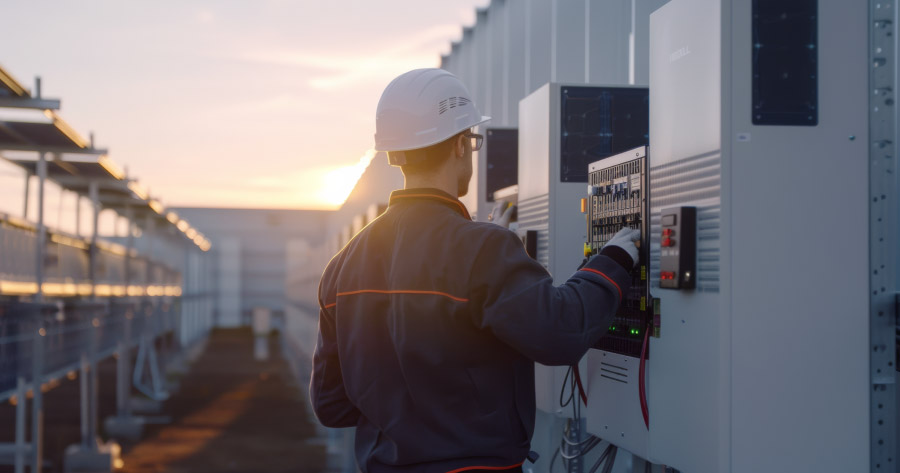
452, 102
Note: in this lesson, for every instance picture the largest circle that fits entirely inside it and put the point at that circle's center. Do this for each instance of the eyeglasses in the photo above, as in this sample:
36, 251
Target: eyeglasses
477, 140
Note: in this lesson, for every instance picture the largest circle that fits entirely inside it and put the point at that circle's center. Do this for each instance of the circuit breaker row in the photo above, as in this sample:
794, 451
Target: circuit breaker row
617, 196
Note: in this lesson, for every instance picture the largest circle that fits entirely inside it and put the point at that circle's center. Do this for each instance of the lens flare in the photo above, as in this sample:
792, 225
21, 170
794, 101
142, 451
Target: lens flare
337, 184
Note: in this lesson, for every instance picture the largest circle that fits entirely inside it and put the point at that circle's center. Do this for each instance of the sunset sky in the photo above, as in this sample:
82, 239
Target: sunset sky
227, 103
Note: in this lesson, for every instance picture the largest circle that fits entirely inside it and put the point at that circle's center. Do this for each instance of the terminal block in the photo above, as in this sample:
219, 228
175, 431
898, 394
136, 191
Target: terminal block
617, 198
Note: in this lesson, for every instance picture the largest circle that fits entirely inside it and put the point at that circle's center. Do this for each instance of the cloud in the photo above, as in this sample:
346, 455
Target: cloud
205, 17
319, 187
341, 69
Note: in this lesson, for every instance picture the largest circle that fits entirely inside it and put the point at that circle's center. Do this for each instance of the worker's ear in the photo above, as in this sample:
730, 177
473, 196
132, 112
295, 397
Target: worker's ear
460, 145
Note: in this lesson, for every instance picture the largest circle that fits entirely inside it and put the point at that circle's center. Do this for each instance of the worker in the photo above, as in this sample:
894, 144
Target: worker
430, 323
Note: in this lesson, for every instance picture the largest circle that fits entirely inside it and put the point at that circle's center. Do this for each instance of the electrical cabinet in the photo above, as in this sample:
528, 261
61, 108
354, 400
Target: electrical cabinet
562, 129
618, 197
497, 167
501, 147
759, 112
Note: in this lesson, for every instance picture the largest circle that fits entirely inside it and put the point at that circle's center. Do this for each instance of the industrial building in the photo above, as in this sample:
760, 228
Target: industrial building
754, 144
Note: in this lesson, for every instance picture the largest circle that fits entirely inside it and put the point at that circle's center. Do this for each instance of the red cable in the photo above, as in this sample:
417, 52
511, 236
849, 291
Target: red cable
580, 386
642, 390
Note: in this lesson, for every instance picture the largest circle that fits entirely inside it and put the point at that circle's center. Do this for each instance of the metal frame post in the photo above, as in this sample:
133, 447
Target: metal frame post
122, 366
37, 403
187, 316
94, 191
95, 381
42, 233
883, 119
20, 425
27, 192
84, 392
129, 215
78, 215
576, 426
149, 229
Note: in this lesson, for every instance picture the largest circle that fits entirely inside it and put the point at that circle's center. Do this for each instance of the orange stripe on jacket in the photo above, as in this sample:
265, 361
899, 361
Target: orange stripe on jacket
607, 278
400, 291
458, 470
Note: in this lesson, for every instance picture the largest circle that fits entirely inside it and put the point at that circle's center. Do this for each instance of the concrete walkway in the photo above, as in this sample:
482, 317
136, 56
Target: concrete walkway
232, 414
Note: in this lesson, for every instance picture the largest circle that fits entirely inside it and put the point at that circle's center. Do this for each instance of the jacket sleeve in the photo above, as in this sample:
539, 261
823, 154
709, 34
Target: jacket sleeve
515, 299
326, 387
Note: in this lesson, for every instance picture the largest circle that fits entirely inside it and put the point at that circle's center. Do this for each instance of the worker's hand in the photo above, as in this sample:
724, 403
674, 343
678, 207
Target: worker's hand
625, 239
502, 214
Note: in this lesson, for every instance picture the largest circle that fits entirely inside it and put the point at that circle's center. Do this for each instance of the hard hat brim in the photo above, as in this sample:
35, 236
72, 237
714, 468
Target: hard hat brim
483, 119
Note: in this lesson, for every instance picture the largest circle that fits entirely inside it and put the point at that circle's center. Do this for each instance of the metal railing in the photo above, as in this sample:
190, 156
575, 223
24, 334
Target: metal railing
66, 264
51, 340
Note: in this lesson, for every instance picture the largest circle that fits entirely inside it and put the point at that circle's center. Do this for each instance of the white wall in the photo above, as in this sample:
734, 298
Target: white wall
229, 252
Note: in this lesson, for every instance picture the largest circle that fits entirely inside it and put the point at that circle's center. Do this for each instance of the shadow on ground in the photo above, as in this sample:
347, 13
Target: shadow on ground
232, 414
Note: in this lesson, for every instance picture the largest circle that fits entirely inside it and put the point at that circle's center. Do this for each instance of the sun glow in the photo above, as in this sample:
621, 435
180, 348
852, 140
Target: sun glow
337, 184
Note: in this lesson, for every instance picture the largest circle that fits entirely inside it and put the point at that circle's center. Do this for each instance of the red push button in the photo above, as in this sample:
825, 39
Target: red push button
668, 232
667, 242
667, 275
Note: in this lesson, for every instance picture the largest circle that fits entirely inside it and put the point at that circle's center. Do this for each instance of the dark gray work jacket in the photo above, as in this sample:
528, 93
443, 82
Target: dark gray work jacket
429, 327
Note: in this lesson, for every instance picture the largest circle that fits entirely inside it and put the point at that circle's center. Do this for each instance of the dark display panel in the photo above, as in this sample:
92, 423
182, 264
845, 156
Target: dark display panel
785, 56
598, 122
502, 148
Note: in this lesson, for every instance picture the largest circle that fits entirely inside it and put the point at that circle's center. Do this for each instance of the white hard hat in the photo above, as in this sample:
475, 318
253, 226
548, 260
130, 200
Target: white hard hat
421, 108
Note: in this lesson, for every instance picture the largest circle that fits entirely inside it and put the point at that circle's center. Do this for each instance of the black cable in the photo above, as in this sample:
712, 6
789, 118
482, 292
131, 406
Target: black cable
602, 457
576, 414
597, 441
562, 392
553, 459
611, 461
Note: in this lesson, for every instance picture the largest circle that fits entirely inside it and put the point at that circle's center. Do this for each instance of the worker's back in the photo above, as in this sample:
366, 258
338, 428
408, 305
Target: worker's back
429, 326
429, 383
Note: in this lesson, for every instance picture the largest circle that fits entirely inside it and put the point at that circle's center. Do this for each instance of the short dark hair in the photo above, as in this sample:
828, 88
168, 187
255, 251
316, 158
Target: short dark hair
428, 159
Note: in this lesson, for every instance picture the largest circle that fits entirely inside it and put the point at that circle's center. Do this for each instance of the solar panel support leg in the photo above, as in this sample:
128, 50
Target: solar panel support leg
37, 403
42, 233
20, 425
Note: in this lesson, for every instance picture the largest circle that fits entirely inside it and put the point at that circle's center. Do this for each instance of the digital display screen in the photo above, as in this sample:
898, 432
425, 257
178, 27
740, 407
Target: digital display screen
502, 148
785, 56
599, 122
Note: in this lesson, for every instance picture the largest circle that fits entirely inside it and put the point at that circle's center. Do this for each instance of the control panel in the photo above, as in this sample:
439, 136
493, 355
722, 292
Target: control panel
617, 198
508, 196
678, 248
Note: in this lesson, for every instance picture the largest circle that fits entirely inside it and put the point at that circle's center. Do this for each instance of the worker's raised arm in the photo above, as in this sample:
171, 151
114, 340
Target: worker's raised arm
326, 387
514, 297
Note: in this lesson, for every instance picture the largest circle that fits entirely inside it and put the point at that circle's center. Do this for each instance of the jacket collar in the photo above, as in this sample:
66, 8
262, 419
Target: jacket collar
435, 195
